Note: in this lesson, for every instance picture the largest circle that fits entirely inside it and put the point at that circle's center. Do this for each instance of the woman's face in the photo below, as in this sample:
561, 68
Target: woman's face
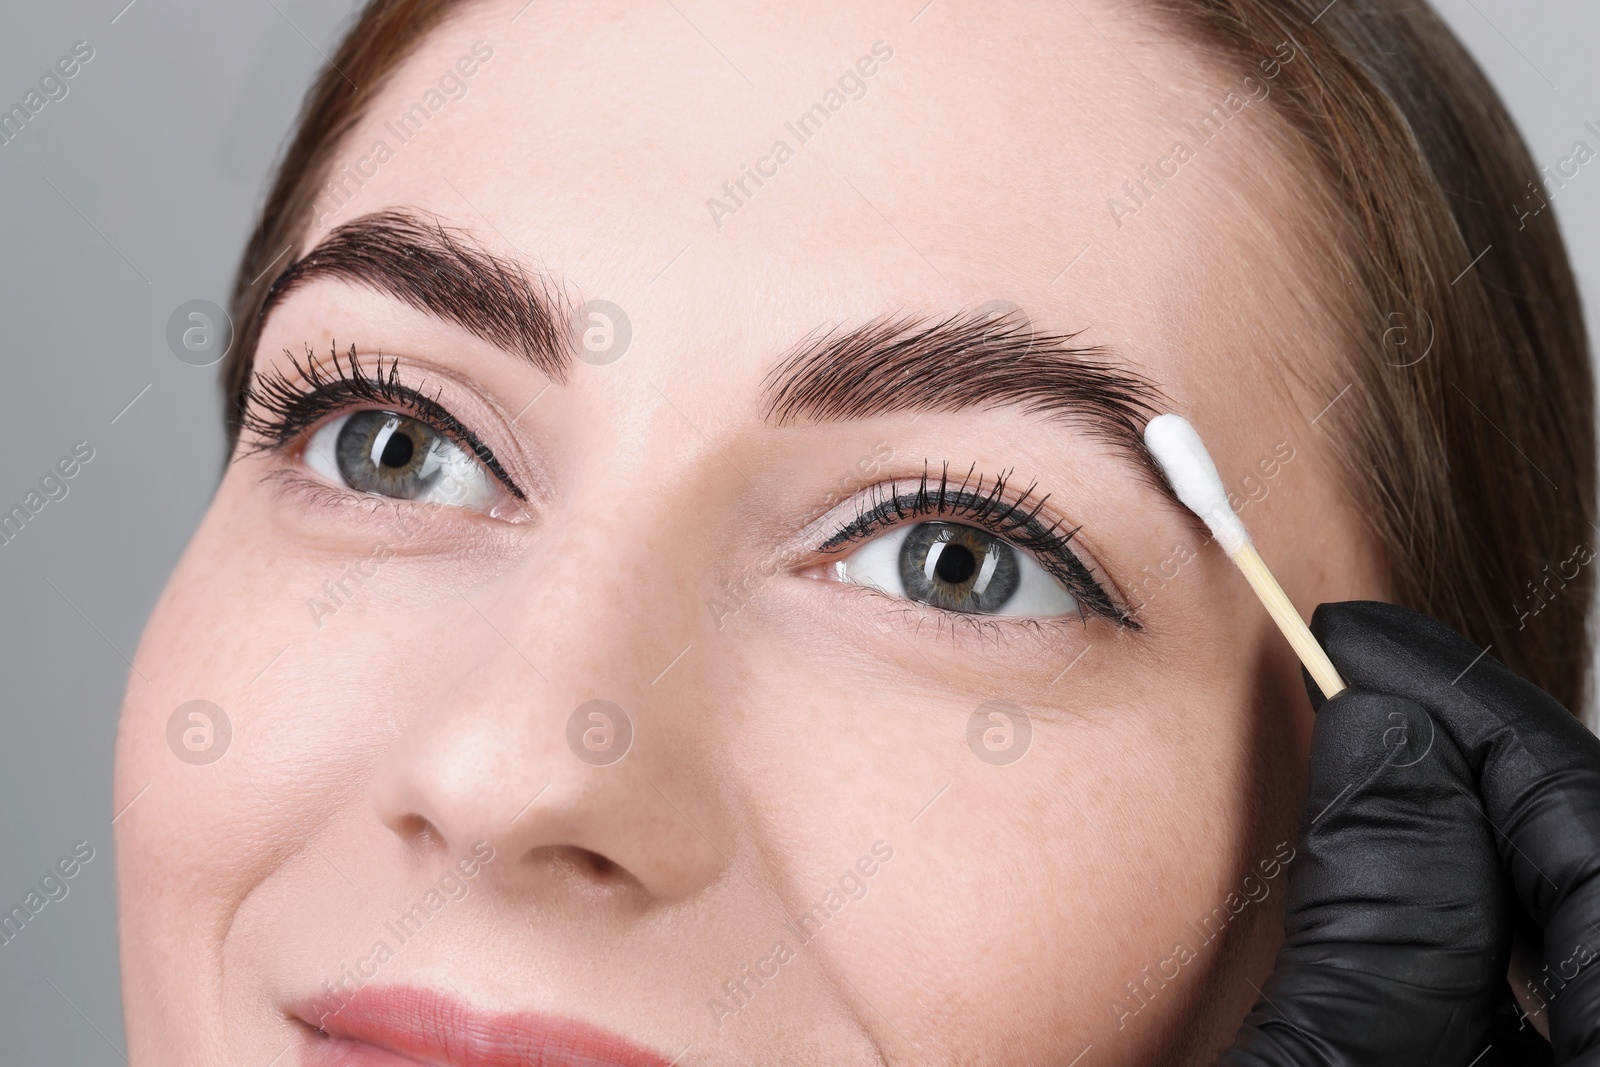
684, 717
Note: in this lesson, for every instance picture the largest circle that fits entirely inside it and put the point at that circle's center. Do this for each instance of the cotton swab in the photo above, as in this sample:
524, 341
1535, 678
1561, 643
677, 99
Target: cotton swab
1187, 464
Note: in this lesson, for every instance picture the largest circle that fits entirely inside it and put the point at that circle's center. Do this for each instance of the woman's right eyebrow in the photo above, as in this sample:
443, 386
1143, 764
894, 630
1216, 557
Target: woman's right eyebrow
443, 272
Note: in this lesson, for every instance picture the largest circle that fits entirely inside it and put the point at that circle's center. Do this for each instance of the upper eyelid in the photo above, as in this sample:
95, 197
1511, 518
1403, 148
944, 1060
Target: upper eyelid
872, 519
315, 387
874, 516
427, 410
996, 504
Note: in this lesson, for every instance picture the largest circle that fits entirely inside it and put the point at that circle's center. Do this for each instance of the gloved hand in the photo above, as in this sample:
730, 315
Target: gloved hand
1450, 804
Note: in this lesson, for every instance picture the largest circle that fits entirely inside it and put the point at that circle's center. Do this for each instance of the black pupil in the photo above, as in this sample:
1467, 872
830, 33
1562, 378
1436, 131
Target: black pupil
397, 450
956, 564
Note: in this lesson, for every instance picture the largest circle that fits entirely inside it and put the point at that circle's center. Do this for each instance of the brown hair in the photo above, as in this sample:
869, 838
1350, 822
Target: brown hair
1475, 463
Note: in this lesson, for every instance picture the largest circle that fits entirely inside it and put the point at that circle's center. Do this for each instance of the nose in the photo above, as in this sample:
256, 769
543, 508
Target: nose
556, 750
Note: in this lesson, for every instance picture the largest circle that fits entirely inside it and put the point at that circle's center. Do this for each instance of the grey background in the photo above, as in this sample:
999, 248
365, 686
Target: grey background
133, 195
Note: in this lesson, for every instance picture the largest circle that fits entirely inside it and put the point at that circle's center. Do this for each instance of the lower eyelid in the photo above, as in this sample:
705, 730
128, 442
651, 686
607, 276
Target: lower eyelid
343, 518
316, 492
978, 633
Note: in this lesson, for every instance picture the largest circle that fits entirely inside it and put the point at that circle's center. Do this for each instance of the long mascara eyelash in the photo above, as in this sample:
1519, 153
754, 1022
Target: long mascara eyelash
1015, 520
281, 407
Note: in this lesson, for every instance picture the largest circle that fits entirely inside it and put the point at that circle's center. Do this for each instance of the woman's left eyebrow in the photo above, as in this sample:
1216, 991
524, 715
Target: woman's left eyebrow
962, 361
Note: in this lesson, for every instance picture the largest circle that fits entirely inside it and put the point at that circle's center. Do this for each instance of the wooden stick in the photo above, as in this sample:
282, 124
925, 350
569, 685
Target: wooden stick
1283, 612
1193, 476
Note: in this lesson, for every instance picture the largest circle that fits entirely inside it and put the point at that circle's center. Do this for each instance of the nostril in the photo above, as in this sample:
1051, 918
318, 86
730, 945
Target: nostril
582, 866
602, 868
416, 830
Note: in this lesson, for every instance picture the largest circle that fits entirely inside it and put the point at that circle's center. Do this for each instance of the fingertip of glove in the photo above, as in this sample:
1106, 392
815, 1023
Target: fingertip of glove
1345, 698
1374, 644
1337, 623
1352, 623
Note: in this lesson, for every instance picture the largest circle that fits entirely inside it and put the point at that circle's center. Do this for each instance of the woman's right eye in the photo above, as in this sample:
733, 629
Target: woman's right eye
390, 454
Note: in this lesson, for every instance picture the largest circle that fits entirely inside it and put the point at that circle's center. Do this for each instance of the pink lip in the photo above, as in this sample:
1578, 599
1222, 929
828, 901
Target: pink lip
396, 1026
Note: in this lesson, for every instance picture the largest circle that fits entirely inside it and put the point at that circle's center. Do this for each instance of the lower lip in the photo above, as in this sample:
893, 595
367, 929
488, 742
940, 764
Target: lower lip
333, 1052
402, 1027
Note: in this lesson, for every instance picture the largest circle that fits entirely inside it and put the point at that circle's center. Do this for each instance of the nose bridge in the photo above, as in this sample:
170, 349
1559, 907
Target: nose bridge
564, 732
608, 604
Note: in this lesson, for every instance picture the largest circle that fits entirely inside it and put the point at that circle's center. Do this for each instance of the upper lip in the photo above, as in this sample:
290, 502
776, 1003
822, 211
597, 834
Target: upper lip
435, 1028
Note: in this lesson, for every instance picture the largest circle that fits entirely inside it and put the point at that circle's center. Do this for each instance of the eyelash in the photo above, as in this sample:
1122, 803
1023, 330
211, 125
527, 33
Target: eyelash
1015, 521
282, 408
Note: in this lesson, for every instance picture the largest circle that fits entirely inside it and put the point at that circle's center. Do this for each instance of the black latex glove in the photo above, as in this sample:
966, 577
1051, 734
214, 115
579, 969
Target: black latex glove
1450, 803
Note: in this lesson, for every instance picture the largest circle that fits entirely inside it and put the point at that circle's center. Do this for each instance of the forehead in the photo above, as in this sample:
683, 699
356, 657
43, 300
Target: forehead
760, 170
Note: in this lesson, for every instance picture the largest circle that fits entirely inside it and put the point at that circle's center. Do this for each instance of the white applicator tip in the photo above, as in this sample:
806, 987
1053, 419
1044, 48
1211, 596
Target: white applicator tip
1187, 465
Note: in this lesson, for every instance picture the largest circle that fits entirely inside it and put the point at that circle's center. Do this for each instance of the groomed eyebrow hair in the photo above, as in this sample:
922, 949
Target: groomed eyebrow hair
442, 272
966, 360
894, 363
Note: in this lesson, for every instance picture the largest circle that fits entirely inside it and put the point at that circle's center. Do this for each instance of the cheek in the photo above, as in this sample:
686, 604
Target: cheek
189, 840
213, 804
1126, 823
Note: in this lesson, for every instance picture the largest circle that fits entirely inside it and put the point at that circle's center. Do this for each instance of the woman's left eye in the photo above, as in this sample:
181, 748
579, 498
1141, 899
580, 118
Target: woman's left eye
390, 454
958, 568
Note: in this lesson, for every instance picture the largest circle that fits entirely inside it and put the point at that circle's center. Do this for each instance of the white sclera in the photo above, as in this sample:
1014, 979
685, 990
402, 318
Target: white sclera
1187, 464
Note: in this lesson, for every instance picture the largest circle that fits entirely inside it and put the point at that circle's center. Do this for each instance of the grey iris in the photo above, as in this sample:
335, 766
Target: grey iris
387, 453
959, 568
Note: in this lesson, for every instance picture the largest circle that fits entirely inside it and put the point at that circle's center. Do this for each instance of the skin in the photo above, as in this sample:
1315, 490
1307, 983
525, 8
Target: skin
773, 750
